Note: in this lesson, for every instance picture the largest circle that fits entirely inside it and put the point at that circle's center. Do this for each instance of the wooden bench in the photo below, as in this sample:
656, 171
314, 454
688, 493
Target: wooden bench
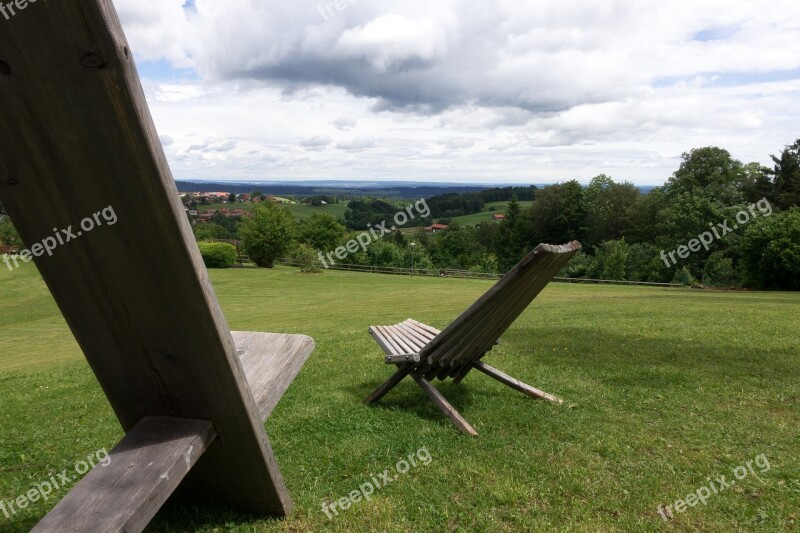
78, 143
425, 353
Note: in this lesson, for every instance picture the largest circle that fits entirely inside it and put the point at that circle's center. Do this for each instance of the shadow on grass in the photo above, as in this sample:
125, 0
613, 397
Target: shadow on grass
409, 397
176, 516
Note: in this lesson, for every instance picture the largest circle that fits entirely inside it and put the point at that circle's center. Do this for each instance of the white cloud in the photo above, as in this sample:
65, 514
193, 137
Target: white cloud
478, 90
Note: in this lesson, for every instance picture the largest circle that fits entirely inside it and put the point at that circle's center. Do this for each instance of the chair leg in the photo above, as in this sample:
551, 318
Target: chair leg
387, 385
440, 401
515, 383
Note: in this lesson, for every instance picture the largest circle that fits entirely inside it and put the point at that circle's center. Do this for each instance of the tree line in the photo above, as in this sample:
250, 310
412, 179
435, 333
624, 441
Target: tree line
626, 234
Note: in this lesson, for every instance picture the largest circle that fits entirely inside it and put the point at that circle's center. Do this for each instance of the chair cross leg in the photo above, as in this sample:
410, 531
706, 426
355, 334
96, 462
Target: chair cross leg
387, 385
440, 401
515, 384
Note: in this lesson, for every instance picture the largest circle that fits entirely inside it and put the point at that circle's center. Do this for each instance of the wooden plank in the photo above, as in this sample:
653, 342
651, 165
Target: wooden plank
412, 336
423, 333
382, 342
402, 359
474, 332
271, 362
515, 383
388, 340
399, 339
78, 138
527, 287
443, 405
144, 470
425, 326
473, 318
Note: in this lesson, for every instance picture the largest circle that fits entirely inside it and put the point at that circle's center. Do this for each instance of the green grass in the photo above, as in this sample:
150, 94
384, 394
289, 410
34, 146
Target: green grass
301, 212
663, 388
477, 218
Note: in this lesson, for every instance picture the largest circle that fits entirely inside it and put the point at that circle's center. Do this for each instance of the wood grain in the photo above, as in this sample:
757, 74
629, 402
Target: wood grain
77, 137
271, 362
144, 469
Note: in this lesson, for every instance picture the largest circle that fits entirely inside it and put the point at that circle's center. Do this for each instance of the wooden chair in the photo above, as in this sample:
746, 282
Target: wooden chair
76, 137
425, 353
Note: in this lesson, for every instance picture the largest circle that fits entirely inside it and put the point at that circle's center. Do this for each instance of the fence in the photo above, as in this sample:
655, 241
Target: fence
465, 274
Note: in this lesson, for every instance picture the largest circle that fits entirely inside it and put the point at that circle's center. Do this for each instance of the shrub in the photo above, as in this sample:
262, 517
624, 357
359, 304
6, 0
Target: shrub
771, 252
308, 258
217, 254
269, 234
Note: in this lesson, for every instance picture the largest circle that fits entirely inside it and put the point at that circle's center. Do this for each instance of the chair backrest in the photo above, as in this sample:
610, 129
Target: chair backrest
478, 329
83, 175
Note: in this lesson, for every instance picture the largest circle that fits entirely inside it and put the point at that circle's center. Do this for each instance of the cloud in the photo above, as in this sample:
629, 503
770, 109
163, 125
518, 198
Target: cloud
317, 142
356, 145
468, 89
344, 123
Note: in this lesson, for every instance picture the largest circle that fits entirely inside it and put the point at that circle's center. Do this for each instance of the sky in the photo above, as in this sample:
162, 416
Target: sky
469, 91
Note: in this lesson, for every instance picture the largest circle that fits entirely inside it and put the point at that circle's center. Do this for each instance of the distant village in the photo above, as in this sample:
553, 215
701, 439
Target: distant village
191, 202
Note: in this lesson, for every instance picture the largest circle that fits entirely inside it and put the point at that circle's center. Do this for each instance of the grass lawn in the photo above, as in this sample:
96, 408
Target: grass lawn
663, 389
300, 212
486, 214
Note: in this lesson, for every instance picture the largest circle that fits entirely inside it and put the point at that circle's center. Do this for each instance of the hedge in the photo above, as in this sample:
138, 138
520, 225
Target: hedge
217, 254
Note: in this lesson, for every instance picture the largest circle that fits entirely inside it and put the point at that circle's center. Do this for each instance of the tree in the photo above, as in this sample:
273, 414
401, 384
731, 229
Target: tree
321, 231
509, 240
308, 258
210, 231
609, 208
558, 214
612, 259
787, 176
704, 167
232, 198
757, 183
269, 234
771, 252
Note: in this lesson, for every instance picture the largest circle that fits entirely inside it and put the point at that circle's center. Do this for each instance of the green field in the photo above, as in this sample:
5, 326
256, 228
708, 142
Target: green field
300, 212
663, 389
486, 214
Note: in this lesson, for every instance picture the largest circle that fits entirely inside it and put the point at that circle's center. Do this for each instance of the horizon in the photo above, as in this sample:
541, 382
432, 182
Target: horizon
465, 91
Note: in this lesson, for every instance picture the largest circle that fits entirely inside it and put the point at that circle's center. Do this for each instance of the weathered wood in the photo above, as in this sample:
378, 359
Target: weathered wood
77, 138
402, 359
524, 388
271, 362
442, 403
399, 339
413, 336
455, 351
384, 343
143, 471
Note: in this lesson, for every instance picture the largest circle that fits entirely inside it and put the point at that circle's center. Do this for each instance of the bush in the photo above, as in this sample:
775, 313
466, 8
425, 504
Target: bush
771, 252
308, 258
269, 234
210, 231
218, 254
718, 271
